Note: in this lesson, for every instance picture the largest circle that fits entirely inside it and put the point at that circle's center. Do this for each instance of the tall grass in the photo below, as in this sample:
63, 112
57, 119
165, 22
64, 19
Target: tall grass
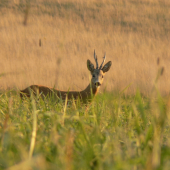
117, 132
132, 33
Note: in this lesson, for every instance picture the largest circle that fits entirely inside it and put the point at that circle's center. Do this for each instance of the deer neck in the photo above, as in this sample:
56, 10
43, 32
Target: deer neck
91, 88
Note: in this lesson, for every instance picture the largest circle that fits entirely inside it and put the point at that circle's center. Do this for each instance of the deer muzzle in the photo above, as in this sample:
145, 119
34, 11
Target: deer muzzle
97, 84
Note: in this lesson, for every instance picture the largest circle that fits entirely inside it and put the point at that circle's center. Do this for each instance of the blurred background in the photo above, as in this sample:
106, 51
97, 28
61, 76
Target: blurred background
48, 42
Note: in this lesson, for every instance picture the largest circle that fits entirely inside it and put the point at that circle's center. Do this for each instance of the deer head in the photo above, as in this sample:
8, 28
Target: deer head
98, 72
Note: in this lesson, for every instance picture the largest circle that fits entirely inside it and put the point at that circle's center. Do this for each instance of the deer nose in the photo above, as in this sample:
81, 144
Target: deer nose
97, 84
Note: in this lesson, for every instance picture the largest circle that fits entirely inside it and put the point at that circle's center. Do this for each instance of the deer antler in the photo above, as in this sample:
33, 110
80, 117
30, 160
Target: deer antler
104, 58
95, 57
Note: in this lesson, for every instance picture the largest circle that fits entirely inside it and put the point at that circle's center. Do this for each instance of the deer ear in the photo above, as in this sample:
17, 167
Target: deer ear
106, 67
90, 66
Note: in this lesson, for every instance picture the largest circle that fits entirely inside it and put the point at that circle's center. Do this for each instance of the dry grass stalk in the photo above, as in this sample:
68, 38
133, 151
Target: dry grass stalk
27, 9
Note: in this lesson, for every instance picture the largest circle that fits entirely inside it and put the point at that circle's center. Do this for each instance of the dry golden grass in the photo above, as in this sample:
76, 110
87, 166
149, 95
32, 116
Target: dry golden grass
133, 33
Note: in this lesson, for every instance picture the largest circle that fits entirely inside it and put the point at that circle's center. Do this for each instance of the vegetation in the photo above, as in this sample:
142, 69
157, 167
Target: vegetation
115, 132
48, 42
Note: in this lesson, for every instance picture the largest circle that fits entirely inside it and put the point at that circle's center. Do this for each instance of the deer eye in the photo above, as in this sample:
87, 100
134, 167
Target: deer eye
102, 76
93, 75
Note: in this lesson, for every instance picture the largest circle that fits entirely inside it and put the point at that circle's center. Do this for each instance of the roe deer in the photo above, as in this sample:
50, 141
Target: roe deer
90, 91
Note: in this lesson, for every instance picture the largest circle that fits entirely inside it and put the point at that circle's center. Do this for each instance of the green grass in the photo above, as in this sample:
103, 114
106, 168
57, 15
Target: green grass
116, 132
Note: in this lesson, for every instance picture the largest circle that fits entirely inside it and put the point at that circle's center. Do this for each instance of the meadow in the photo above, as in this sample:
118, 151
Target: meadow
48, 42
132, 33
115, 132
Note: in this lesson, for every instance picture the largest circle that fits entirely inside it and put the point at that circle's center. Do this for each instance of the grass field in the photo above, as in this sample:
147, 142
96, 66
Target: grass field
48, 42
116, 132
132, 33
